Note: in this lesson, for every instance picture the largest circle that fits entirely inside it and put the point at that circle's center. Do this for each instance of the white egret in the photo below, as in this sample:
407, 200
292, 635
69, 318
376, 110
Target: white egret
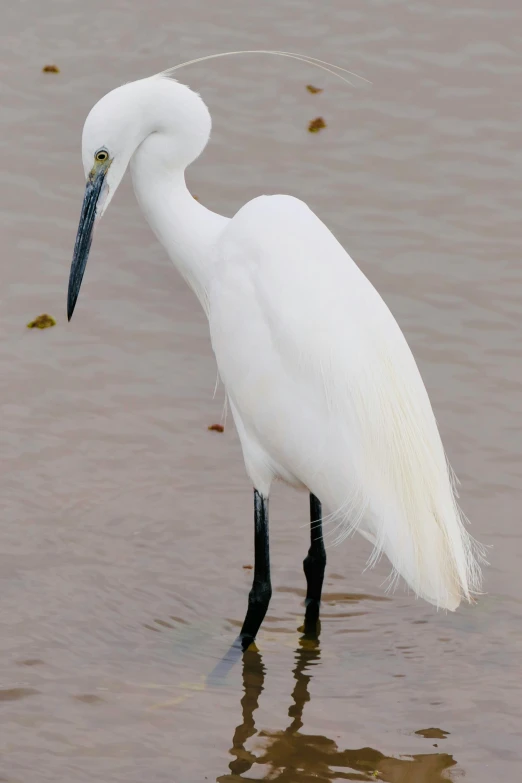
323, 388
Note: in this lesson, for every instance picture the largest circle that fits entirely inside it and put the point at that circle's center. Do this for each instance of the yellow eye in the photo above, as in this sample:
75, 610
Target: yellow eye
101, 156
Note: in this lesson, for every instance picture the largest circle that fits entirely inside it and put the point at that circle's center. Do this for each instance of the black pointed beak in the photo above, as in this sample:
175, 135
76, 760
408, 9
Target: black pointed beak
84, 236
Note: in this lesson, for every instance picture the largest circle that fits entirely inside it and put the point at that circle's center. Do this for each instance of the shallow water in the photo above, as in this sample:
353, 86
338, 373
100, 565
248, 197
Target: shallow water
126, 524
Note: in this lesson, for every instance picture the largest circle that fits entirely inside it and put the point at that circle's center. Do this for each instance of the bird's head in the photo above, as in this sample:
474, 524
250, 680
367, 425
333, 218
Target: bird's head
114, 130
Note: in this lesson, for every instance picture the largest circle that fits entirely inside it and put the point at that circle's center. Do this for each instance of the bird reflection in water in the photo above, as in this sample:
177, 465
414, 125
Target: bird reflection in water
290, 756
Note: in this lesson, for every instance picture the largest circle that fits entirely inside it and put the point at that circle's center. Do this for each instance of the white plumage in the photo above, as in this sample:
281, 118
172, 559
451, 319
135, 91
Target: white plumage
322, 385
326, 394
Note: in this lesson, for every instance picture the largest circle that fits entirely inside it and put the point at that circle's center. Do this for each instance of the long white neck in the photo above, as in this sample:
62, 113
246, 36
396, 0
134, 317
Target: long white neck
186, 229
176, 128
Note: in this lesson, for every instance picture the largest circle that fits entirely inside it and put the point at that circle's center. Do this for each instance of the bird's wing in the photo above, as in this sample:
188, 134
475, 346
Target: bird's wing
332, 333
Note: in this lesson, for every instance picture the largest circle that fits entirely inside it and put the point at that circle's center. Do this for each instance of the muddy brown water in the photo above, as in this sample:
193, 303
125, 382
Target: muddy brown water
125, 524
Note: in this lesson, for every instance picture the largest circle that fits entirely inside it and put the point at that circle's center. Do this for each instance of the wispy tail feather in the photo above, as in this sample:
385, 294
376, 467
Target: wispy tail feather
406, 490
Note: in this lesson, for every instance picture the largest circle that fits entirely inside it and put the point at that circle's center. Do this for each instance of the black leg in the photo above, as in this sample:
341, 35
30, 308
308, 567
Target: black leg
258, 599
261, 591
314, 565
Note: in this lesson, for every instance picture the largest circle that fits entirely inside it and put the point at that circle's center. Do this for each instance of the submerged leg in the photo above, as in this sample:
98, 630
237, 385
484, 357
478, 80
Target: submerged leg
258, 599
261, 591
314, 565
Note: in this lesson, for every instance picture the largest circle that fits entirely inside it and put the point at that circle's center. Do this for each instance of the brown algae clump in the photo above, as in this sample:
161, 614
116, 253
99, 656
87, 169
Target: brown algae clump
313, 90
42, 322
216, 428
316, 125
50, 69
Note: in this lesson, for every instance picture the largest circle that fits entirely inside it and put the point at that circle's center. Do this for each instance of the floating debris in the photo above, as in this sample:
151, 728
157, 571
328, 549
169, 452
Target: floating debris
196, 197
42, 322
216, 428
316, 125
248, 566
313, 90
50, 69
433, 733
